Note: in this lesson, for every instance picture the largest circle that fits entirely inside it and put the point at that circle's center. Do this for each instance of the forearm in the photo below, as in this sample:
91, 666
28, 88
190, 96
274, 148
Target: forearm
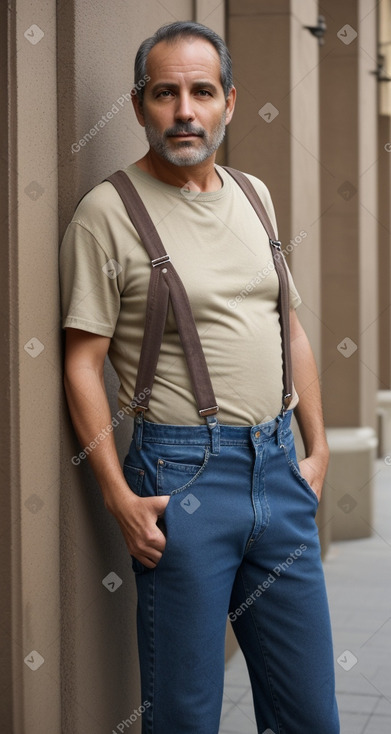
309, 412
91, 417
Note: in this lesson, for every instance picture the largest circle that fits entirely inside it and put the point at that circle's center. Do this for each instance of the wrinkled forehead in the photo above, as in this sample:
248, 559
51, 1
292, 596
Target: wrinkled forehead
188, 57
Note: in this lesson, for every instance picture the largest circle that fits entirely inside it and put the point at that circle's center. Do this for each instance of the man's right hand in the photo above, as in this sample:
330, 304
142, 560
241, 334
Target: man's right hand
137, 517
88, 404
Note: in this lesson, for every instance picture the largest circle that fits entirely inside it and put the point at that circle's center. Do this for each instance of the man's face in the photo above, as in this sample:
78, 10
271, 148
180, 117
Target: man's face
184, 110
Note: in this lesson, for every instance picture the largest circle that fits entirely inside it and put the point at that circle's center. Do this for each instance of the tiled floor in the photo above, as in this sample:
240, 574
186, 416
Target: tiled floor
358, 576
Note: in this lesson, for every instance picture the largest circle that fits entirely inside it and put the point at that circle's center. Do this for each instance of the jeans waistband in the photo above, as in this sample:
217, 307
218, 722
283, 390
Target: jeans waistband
162, 433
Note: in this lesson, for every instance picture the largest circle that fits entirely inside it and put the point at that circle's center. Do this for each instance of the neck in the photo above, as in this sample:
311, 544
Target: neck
203, 175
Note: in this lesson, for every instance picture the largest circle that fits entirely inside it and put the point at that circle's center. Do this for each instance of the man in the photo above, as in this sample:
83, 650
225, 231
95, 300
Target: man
220, 517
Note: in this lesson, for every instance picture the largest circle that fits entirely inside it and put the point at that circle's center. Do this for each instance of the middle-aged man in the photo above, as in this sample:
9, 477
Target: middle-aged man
217, 514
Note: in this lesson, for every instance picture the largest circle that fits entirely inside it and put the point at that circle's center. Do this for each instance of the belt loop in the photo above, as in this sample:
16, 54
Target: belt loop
138, 430
214, 431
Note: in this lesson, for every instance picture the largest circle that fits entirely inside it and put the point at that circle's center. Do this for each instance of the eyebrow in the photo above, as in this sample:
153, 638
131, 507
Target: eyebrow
199, 84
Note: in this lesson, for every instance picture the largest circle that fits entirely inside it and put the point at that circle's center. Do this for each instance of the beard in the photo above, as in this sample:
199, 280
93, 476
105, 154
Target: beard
185, 152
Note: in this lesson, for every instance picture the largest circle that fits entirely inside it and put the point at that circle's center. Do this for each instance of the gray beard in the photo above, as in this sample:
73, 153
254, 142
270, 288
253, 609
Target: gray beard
185, 154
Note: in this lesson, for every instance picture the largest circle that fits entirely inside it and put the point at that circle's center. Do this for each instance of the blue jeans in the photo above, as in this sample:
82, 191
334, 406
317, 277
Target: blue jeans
241, 541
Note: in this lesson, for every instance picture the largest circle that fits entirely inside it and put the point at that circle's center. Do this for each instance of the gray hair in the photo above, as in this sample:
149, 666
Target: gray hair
177, 30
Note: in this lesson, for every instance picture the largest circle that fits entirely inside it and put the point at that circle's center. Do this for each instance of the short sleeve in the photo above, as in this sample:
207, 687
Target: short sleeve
90, 296
294, 298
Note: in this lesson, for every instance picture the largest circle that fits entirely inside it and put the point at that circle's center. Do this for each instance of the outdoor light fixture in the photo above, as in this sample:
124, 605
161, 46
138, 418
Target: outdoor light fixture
380, 71
318, 30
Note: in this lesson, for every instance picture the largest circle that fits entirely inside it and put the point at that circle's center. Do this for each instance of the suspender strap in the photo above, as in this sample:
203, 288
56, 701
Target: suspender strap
164, 283
279, 264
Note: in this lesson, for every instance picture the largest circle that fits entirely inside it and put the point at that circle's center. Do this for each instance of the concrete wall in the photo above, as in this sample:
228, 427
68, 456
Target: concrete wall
100, 682
70, 649
349, 219
275, 130
384, 194
30, 175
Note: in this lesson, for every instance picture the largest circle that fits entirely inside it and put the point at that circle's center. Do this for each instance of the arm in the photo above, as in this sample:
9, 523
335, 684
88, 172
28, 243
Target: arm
309, 410
84, 360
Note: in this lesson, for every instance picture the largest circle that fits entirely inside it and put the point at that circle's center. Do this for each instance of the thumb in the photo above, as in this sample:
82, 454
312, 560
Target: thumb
160, 503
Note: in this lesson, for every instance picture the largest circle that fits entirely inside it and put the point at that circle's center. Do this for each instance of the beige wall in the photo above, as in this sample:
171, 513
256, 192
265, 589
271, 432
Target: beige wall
349, 213
99, 651
276, 64
35, 372
384, 194
384, 260
60, 84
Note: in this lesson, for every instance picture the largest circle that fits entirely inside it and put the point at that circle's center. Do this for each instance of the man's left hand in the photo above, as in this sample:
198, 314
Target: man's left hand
314, 472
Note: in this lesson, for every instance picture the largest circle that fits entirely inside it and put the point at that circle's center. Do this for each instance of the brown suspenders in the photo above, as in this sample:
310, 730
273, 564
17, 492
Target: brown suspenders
165, 284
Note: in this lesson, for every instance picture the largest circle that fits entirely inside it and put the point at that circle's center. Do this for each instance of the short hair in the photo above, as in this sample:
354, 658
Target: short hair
182, 29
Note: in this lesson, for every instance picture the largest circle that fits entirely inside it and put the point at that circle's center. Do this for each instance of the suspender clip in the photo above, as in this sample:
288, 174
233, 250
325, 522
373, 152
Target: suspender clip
160, 260
286, 401
208, 411
276, 244
139, 409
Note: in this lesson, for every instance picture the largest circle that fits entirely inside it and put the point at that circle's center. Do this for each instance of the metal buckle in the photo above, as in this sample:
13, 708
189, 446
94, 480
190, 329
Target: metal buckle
286, 401
276, 244
139, 408
160, 260
209, 411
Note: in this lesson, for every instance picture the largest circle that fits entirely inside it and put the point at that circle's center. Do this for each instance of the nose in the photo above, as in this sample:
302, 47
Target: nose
184, 110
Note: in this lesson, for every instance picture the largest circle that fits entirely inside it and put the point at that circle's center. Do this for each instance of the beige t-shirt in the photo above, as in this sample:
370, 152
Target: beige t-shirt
222, 254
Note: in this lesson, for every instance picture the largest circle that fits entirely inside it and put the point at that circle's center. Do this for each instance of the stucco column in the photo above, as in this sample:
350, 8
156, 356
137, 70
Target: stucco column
274, 132
350, 316
275, 135
349, 224
31, 372
98, 133
384, 265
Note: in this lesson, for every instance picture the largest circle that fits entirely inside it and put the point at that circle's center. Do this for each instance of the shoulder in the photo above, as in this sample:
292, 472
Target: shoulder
96, 205
264, 194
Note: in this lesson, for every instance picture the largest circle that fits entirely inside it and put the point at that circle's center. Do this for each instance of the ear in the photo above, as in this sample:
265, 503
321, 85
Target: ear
138, 109
230, 105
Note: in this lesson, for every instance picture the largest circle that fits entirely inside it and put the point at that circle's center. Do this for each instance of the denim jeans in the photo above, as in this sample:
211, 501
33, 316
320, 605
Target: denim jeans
241, 541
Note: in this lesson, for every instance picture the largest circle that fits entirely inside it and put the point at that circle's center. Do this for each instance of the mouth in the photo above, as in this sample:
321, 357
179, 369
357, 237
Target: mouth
185, 135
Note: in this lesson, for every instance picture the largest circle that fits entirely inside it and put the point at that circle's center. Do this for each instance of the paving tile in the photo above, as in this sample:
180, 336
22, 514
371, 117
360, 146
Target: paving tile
353, 683
355, 703
241, 719
383, 707
377, 725
234, 694
353, 723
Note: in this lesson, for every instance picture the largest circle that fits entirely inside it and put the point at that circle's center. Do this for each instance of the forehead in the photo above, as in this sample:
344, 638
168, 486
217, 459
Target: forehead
186, 57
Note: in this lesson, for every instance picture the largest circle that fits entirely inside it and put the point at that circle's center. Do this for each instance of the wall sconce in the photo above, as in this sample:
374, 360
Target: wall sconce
380, 71
318, 30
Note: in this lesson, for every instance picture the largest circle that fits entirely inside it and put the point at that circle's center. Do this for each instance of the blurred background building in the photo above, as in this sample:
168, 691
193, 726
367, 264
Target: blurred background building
313, 121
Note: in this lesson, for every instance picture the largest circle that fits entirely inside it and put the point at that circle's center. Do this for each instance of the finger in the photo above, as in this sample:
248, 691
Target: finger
148, 561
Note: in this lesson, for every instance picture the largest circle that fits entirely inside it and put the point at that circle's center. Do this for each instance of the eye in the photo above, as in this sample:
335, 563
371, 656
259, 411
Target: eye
165, 93
204, 93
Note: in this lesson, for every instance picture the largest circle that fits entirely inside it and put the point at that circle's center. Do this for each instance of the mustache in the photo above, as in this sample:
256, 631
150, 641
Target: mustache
185, 127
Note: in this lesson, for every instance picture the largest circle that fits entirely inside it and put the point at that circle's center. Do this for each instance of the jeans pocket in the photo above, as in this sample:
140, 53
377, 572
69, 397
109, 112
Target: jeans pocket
287, 443
134, 477
173, 477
